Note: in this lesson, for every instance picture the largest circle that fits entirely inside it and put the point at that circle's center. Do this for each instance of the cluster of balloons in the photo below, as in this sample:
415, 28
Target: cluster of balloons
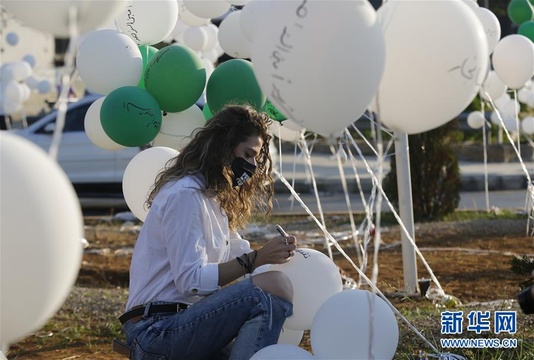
17, 83
521, 13
340, 322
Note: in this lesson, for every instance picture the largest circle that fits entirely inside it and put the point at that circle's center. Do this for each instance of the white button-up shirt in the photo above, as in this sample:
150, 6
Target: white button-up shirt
184, 238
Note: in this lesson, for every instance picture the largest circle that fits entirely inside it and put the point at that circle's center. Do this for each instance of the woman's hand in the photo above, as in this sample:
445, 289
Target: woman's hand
278, 250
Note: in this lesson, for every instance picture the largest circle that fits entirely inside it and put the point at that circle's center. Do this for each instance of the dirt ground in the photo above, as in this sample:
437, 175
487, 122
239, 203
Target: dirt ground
471, 260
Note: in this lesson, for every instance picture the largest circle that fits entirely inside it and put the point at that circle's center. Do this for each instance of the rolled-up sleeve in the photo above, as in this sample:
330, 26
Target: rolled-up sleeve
186, 244
238, 245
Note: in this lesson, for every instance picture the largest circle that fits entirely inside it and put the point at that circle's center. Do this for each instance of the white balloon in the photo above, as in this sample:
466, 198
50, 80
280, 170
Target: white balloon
177, 128
11, 107
148, 22
41, 237
282, 351
471, 3
494, 117
491, 25
299, 67
231, 39
21, 70
107, 60
212, 32
291, 337
292, 125
251, 15
501, 101
493, 86
434, 66
188, 18
527, 125
513, 60
285, 133
94, 130
511, 123
476, 119
211, 55
195, 37
524, 93
511, 108
237, 2
207, 9
6, 72
26, 91
140, 175
341, 328
53, 16
12, 92
315, 277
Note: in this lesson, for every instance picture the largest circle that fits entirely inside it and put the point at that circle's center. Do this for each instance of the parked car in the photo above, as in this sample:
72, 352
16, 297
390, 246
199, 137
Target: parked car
90, 168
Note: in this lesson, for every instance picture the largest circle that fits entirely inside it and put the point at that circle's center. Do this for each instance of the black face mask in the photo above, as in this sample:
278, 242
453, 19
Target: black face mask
243, 170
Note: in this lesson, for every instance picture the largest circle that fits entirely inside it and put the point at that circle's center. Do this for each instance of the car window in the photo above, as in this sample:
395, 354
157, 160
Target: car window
74, 120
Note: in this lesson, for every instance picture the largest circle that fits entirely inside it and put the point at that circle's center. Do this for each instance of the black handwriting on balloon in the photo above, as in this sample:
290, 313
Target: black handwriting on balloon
301, 10
130, 107
467, 69
283, 36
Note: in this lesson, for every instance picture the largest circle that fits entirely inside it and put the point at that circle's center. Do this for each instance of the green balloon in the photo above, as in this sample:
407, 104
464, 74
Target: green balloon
207, 112
130, 116
273, 112
519, 11
176, 77
527, 29
147, 53
234, 82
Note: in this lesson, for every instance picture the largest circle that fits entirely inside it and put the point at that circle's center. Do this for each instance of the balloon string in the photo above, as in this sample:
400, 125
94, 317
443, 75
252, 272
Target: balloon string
354, 232
523, 166
67, 76
347, 257
397, 217
307, 158
485, 152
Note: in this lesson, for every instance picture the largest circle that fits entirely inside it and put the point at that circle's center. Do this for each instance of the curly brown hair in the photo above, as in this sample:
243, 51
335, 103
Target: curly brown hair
210, 153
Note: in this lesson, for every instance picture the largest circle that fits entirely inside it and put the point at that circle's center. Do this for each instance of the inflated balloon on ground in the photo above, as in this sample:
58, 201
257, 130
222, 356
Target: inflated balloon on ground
341, 327
315, 277
130, 116
176, 77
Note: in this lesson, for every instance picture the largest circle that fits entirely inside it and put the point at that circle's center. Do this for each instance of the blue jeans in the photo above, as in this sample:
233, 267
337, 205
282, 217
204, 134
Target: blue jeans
241, 315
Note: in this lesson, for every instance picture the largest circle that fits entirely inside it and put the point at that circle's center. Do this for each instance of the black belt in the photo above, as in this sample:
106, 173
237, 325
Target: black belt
155, 308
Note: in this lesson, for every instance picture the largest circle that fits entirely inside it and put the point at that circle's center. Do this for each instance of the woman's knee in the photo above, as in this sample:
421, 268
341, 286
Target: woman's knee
276, 283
